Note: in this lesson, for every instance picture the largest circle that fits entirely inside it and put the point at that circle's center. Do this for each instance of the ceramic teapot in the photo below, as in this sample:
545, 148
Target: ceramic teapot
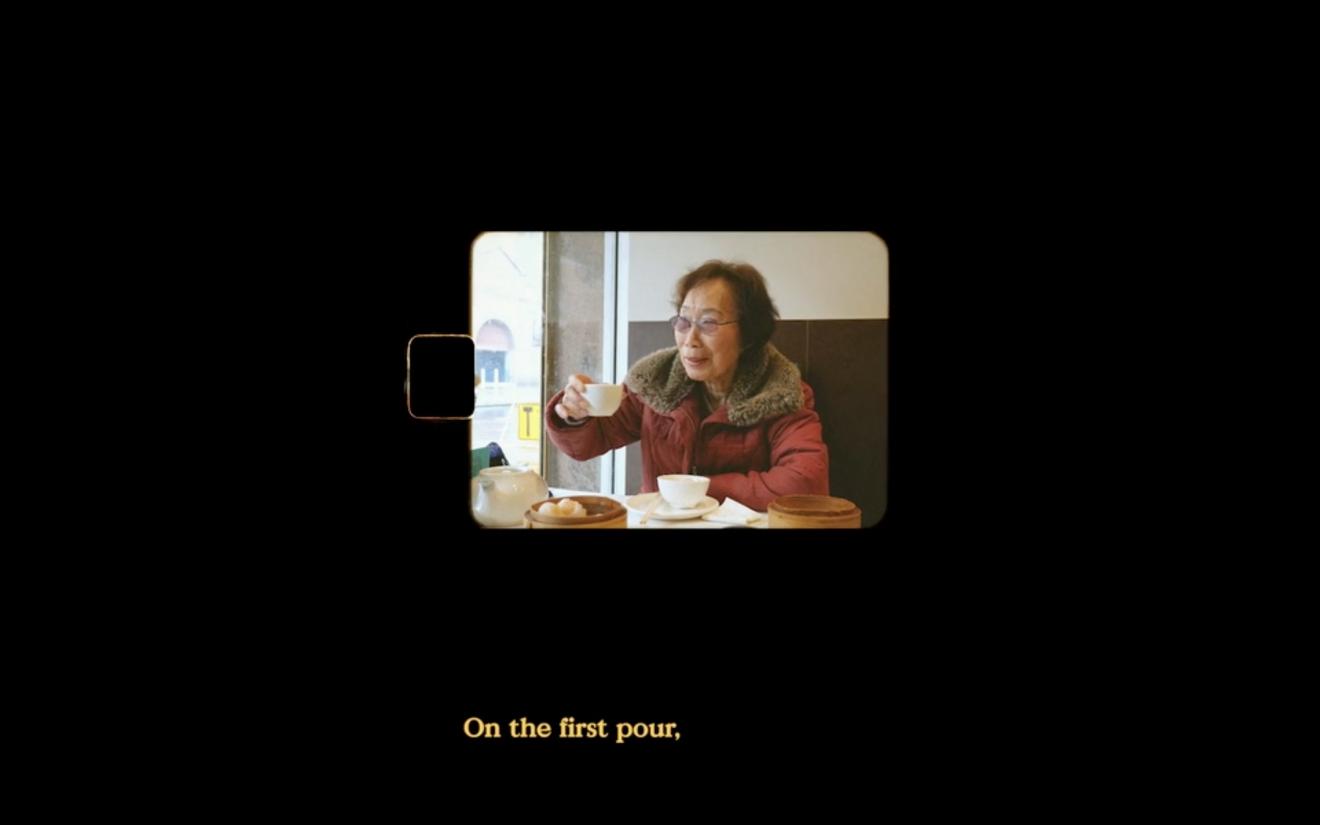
500, 495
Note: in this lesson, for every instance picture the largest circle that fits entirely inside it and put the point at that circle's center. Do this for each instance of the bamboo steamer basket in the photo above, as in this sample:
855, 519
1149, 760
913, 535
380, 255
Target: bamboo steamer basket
601, 512
814, 512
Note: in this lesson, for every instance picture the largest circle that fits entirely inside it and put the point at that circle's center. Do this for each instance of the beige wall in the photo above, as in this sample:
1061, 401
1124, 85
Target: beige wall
574, 312
811, 275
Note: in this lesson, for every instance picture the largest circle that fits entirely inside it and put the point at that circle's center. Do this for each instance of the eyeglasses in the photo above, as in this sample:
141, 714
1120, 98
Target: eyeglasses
708, 326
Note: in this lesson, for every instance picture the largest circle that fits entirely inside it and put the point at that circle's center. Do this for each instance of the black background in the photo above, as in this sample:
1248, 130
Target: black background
273, 591
759, 646
771, 652
350, 617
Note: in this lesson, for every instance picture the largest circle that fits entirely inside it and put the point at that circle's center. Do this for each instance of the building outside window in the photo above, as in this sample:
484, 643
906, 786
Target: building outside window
508, 276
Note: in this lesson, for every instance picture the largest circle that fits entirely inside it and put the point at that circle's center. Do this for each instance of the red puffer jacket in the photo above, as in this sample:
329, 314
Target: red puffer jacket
762, 443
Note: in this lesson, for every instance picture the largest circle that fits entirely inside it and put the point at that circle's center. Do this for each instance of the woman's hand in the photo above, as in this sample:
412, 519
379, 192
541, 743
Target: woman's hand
574, 403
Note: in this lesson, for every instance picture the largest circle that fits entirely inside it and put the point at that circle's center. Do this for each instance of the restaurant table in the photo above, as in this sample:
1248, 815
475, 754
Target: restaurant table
634, 518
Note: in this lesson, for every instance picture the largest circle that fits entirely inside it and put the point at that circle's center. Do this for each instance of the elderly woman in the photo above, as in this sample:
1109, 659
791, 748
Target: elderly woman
722, 403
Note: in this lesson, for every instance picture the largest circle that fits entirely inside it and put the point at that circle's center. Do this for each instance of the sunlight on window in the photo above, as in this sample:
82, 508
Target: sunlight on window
507, 281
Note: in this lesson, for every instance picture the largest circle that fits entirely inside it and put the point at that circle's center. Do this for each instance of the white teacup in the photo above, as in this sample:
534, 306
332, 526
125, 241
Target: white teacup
683, 492
604, 399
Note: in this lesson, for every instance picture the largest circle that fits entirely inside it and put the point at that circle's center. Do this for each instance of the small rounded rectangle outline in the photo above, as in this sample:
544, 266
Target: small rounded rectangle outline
407, 380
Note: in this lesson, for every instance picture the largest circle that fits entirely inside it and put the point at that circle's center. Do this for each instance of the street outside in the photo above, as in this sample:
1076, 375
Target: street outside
499, 423
508, 276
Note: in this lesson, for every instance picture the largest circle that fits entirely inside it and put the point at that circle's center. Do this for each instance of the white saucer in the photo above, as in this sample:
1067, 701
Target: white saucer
639, 504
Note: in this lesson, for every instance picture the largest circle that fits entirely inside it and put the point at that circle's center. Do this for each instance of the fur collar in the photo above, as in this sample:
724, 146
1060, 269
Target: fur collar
767, 385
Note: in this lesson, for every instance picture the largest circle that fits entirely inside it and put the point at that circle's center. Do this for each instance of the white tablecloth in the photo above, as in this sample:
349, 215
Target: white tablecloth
634, 518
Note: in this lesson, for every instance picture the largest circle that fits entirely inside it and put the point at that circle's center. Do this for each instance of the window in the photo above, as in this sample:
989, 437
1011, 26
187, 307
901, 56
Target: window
507, 285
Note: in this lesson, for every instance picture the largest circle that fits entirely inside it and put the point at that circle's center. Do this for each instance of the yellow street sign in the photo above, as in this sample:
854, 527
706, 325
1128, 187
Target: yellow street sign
529, 422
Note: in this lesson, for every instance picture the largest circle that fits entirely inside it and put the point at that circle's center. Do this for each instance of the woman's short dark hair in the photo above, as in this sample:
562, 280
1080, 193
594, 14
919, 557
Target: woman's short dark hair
756, 310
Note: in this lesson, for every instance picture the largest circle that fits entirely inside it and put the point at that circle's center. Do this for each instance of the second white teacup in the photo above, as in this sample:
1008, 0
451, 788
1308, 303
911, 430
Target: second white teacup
683, 491
604, 399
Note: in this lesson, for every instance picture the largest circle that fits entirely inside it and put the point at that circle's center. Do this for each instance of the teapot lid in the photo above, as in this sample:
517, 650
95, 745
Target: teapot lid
506, 471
